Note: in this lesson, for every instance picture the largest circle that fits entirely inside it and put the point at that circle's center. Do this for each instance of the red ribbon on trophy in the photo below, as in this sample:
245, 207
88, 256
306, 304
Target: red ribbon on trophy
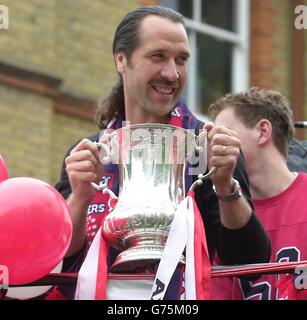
186, 233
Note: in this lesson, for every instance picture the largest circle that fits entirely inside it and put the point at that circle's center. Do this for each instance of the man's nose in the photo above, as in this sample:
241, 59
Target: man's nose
170, 71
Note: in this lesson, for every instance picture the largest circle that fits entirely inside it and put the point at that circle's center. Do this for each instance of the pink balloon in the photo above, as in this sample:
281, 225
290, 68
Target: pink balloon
3, 170
35, 228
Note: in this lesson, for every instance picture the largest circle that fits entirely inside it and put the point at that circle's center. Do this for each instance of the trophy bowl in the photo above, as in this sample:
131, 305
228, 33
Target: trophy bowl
152, 160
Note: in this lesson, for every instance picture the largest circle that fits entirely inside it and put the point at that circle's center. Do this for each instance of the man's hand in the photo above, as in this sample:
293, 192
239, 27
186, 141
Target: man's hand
223, 153
83, 167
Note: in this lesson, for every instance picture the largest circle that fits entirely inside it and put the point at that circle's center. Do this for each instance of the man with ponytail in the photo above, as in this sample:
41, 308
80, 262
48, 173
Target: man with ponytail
151, 52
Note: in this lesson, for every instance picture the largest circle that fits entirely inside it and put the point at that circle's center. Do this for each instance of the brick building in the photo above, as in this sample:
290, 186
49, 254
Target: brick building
56, 61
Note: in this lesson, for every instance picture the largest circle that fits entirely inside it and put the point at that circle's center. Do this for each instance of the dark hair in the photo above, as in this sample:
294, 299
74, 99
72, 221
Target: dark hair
256, 104
126, 39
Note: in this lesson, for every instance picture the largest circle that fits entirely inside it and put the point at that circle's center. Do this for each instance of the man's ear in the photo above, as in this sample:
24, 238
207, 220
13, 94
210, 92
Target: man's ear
121, 62
264, 127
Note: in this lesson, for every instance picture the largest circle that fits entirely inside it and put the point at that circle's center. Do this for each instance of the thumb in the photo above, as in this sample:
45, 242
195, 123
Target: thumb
209, 126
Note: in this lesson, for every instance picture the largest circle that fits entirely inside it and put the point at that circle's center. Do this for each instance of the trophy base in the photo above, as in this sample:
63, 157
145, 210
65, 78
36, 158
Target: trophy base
140, 257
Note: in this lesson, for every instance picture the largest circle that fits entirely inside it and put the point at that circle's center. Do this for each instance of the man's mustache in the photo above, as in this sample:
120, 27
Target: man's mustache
165, 82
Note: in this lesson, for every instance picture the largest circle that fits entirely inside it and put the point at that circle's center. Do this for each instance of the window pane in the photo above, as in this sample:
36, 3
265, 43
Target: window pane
214, 70
218, 13
183, 6
186, 8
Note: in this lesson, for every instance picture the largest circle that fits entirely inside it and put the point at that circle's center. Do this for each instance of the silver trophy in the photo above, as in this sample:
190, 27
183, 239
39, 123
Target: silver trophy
152, 161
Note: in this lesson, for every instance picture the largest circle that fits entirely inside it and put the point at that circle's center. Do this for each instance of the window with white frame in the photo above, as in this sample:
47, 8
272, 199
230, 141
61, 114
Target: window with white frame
219, 41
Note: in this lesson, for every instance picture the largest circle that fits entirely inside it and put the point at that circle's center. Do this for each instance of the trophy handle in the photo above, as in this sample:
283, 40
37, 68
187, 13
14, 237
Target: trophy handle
112, 200
199, 138
105, 159
201, 179
103, 187
199, 148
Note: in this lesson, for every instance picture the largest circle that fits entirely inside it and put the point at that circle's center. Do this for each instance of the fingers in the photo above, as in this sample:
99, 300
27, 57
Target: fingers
220, 135
77, 176
224, 139
208, 126
82, 165
228, 161
82, 155
218, 132
86, 144
223, 150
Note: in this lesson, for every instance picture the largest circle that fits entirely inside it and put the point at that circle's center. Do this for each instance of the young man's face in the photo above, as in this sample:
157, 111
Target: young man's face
156, 73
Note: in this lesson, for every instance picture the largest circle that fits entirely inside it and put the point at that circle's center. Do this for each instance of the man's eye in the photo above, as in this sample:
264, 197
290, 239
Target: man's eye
182, 60
157, 56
